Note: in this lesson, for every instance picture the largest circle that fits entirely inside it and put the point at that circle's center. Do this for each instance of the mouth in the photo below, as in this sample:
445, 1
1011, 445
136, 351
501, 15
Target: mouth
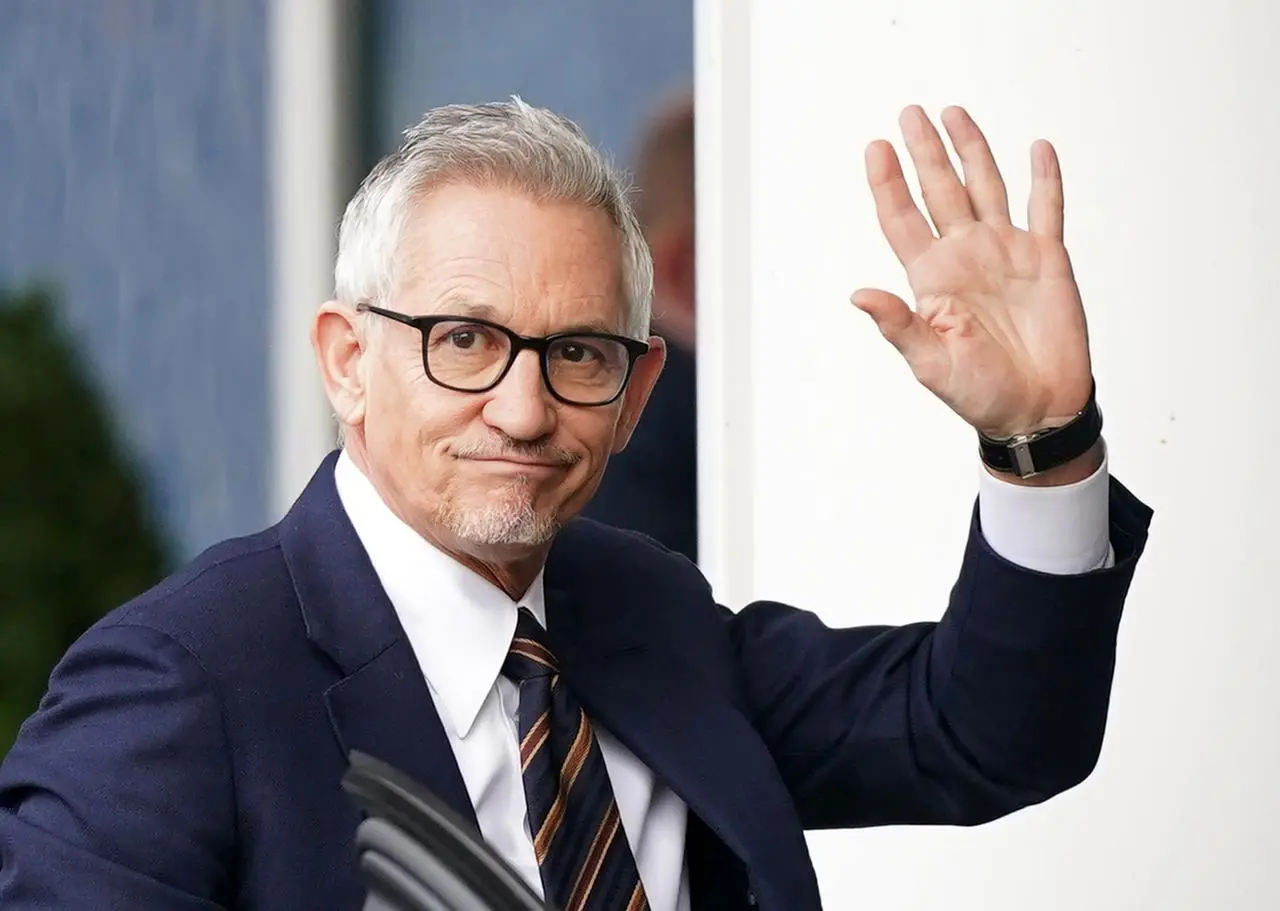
516, 462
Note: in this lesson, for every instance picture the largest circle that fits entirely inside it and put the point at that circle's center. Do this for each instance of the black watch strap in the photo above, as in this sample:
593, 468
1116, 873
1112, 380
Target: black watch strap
1030, 454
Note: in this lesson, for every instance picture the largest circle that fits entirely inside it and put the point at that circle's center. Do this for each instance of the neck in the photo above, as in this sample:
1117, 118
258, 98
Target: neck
513, 576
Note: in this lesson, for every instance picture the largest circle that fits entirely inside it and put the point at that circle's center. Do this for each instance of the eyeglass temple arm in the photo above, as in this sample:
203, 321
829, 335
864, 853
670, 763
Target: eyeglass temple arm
389, 314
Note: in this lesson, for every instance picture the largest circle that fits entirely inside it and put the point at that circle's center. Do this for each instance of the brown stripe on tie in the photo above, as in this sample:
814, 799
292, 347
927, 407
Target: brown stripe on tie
534, 740
530, 650
595, 859
536, 659
534, 651
639, 901
578, 754
573, 766
550, 826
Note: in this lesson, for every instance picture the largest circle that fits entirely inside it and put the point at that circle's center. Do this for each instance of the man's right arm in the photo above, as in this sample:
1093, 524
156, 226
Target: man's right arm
119, 793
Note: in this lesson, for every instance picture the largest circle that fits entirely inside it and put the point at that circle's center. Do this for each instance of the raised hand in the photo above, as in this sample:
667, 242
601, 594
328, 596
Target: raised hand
998, 332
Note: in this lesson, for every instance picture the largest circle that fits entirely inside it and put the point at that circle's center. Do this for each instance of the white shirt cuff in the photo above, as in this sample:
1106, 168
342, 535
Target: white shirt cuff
1058, 530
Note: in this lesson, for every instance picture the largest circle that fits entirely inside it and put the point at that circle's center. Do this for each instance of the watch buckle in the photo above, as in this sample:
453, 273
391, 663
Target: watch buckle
1024, 466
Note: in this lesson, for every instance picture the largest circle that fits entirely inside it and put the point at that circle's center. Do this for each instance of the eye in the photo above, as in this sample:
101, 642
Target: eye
463, 338
576, 353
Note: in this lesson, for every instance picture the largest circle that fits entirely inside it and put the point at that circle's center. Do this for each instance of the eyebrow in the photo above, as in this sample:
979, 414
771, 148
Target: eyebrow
460, 305
593, 326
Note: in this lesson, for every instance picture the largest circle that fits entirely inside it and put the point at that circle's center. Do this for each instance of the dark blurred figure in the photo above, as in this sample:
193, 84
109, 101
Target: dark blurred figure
652, 486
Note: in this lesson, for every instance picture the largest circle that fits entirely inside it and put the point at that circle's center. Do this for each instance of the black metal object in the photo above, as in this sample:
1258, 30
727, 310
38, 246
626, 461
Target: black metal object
416, 854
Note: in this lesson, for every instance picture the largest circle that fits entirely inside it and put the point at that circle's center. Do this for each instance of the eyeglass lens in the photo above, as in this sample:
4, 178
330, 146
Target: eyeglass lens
470, 357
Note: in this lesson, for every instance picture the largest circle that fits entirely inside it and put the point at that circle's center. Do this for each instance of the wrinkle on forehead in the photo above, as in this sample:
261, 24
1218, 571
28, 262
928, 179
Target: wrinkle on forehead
459, 303
503, 256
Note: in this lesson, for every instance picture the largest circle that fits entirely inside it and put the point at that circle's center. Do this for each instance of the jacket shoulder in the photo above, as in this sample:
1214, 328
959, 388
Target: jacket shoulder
620, 558
235, 591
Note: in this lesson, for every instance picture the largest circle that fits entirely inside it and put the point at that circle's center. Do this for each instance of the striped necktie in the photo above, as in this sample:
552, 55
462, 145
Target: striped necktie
582, 851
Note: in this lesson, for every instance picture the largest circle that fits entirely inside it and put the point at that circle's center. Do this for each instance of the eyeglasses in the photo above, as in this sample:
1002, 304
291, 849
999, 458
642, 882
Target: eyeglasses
473, 355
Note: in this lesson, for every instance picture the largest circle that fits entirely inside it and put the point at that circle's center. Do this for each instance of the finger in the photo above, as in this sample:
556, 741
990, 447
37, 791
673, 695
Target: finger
987, 193
1045, 208
901, 326
901, 220
944, 194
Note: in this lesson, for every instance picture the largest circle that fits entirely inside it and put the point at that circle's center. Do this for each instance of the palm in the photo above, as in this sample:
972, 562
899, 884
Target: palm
998, 332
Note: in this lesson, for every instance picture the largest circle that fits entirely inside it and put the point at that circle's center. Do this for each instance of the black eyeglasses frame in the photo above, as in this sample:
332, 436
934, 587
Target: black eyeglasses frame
541, 345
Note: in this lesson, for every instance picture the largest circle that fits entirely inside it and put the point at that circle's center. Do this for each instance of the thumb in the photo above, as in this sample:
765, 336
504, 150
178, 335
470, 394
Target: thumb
897, 322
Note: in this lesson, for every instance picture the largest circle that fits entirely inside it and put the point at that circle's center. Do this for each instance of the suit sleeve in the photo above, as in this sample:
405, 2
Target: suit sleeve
1000, 705
118, 792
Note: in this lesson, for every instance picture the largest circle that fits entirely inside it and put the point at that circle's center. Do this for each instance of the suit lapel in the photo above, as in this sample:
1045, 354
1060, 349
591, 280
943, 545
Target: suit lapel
384, 709
381, 706
693, 739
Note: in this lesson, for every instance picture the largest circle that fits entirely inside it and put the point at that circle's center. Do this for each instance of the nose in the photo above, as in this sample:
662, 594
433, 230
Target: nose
521, 406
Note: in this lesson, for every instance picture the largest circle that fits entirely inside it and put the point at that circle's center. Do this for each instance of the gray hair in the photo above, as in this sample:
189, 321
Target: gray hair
507, 143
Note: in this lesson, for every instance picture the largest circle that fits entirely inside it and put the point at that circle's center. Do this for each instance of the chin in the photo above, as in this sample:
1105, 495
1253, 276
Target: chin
515, 524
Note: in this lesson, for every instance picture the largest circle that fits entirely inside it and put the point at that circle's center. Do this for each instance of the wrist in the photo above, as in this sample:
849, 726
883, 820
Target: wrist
1078, 469
1054, 455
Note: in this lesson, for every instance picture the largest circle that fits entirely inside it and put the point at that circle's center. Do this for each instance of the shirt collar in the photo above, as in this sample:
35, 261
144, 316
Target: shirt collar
459, 624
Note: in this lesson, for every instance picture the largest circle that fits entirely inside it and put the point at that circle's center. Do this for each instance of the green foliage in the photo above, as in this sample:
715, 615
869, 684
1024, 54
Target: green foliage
76, 537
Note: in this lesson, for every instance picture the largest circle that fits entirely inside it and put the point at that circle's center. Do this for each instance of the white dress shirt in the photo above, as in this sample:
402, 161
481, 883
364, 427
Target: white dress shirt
1061, 531
460, 627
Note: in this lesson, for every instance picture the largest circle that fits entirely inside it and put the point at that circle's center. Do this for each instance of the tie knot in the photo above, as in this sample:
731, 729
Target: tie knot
529, 656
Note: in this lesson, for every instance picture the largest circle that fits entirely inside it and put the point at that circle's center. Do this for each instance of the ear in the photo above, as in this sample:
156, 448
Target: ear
643, 378
339, 349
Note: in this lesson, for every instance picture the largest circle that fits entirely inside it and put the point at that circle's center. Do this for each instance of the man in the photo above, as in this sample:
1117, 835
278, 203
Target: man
652, 486
572, 689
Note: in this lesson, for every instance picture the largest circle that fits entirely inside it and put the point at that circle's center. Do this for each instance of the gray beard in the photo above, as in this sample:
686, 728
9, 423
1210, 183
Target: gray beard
511, 523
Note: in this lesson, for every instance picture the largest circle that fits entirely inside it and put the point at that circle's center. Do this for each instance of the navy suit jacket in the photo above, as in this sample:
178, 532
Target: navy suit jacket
190, 749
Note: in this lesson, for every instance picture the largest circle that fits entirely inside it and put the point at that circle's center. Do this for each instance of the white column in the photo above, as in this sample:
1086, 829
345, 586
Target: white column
832, 481
310, 142
726, 481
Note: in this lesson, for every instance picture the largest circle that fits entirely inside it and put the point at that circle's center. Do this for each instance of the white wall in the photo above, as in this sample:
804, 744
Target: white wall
312, 142
833, 482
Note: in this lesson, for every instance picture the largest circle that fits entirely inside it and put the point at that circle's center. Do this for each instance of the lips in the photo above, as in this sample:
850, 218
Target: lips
524, 463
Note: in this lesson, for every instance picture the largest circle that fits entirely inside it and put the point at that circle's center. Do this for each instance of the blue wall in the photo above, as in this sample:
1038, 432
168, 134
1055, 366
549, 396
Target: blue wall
133, 178
604, 63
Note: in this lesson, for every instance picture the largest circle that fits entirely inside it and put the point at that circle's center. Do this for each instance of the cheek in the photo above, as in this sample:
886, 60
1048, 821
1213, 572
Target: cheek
592, 434
413, 423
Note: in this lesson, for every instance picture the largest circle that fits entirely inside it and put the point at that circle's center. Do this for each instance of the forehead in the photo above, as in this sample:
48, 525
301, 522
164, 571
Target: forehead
537, 266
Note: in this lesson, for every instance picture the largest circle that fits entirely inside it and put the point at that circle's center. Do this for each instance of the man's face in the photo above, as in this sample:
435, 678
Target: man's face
497, 471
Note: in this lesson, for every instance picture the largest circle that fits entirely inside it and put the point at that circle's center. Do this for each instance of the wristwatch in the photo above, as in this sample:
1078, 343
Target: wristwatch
1028, 454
